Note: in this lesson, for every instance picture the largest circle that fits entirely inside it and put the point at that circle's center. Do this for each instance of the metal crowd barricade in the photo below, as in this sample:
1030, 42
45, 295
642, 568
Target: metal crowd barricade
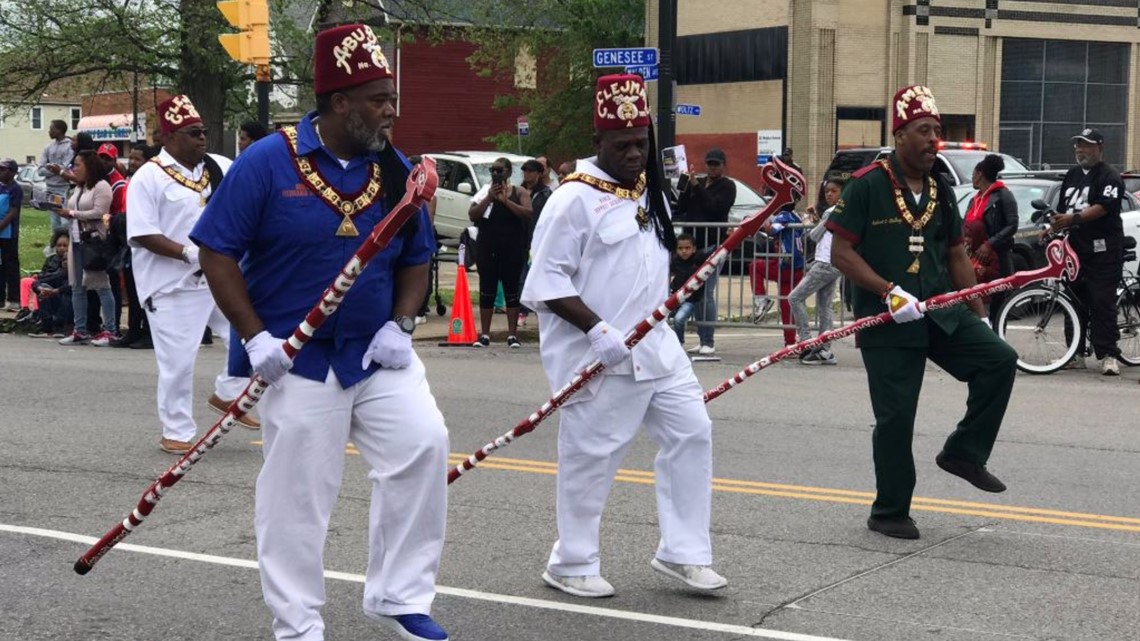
752, 289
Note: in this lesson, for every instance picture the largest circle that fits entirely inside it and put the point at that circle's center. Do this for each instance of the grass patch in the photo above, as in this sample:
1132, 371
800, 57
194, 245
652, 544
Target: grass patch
35, 234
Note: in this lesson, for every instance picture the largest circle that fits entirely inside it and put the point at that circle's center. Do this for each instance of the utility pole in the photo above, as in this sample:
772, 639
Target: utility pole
666, 118
264, 82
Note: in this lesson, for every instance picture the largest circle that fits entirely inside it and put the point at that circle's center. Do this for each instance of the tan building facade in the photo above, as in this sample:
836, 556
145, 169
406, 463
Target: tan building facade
24, 128
1018, 76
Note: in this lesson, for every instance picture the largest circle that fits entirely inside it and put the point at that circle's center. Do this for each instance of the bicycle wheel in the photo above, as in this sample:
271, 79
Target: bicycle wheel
1128, 320
1042, 327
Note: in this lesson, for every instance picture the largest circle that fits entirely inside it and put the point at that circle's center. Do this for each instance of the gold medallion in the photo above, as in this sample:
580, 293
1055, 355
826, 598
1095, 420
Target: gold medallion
344, 205
347, 229
202, 201
916, 241
914, 267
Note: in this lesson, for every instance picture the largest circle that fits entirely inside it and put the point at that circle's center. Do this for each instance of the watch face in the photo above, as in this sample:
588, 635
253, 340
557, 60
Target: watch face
406, 324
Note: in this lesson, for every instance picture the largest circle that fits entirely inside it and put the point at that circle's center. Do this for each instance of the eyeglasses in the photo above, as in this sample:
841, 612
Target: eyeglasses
713, 163
195, 133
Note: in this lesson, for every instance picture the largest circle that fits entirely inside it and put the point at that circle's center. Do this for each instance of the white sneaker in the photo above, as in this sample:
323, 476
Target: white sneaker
696, 349
1110, 367
706, 350
590, 587
700, 577
420, 320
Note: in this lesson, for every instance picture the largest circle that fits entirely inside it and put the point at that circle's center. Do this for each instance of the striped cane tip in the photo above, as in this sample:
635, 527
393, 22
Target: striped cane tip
82, 567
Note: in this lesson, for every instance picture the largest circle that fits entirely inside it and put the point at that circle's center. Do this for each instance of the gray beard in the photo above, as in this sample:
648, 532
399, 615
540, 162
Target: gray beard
360, 134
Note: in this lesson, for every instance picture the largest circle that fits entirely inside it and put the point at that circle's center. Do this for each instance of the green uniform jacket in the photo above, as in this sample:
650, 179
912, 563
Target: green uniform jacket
866, 216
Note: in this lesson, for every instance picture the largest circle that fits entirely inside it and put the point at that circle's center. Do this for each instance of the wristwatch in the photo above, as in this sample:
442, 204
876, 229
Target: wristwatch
407, 324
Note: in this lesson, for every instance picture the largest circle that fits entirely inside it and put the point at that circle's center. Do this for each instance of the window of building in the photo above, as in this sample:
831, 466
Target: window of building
37, 117
76, 114
1052, 89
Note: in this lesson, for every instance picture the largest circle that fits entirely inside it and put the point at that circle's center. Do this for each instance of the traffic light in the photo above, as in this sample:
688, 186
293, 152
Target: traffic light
251, 46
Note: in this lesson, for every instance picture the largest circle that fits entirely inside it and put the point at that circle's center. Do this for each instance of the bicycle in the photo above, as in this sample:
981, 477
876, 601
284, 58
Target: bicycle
1045, 323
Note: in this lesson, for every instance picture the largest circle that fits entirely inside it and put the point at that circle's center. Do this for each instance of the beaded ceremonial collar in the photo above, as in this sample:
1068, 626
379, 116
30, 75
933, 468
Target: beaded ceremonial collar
196, 186
624, 193
347, 206
916, 242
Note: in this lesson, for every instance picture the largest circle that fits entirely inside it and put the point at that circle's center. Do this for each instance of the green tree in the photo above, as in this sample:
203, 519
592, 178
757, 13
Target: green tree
99, 45
560, 35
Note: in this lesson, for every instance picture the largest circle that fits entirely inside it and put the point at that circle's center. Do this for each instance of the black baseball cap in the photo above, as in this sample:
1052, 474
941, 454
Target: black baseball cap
715, 154
1090, 135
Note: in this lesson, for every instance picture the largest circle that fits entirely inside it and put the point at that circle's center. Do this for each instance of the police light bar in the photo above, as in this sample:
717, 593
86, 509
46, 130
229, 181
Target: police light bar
972, 146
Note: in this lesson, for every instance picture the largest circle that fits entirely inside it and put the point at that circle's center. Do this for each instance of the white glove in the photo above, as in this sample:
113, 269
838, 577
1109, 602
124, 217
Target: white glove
608, 344
903, 306
391, 348
267, 356
190, 254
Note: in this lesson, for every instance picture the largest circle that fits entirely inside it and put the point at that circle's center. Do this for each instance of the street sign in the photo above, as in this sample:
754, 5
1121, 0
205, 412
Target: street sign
688, 110
769, 142
649, 72
635, 56
524, 126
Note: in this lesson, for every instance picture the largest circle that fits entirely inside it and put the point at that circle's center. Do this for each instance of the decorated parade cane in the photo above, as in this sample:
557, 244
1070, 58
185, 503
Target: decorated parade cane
787, 185
421, 187
1062, 260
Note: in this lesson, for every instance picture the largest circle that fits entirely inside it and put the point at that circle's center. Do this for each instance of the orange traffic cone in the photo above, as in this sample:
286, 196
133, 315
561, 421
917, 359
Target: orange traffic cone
461, 329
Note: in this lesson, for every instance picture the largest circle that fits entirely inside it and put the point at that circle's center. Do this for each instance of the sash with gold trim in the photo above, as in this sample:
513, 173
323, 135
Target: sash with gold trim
348, 206
624, 193
196, 186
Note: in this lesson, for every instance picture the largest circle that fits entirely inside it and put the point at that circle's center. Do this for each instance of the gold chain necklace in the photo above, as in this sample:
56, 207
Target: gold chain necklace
197, 186
624, 193
916, 242
346, 206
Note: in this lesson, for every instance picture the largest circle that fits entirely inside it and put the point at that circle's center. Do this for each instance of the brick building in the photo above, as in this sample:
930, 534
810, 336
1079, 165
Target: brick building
108, 116
1021, 76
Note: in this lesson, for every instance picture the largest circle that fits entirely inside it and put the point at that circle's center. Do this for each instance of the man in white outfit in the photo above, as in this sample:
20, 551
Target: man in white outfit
601, 265
293, 209
165, 198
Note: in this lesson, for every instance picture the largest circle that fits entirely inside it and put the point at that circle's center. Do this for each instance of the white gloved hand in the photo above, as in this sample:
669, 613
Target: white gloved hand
608, 344
391, 348
903, 306
267, 356
190, 254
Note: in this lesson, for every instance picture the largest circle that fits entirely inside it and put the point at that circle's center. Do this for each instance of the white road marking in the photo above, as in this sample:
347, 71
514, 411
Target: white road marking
627, 615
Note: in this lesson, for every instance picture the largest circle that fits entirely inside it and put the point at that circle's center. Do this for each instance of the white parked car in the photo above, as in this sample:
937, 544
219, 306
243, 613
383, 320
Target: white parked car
461, 175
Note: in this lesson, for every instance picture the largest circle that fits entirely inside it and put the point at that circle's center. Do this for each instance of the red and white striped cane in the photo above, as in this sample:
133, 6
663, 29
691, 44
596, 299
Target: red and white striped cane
421, 187
1062, 260
786, 183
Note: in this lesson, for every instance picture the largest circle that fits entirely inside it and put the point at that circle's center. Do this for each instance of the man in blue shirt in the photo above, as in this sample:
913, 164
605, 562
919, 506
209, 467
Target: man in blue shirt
290, 213
11, 199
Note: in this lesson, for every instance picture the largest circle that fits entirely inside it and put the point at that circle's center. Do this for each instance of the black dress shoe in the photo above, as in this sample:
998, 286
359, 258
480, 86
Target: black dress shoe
143, 342
977, 475
126, 340
898, 527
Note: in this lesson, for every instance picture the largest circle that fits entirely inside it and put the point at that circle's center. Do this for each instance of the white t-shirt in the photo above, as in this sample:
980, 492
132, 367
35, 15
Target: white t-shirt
156, 204
588, 243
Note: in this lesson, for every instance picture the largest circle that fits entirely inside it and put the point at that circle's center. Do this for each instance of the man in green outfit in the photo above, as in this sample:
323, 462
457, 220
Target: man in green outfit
898, 238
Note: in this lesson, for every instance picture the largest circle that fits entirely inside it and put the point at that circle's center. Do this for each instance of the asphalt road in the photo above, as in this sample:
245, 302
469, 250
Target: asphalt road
1056, 557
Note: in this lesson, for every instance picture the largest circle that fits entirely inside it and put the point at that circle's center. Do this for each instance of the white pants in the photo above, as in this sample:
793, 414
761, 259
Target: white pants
393, 420
593, 438
177, 321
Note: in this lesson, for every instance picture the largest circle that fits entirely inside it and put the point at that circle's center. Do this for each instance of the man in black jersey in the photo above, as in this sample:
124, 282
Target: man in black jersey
1090, 207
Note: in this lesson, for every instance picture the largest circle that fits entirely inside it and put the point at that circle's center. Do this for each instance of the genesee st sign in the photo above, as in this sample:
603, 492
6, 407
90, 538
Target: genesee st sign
630, 57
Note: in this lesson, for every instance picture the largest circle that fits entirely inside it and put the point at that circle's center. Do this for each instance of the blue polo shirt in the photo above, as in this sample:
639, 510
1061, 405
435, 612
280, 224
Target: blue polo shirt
11, 195
285, 239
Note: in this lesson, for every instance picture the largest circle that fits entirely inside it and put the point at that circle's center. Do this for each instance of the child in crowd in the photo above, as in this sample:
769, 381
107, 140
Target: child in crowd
52, 290
685, 263
821, 280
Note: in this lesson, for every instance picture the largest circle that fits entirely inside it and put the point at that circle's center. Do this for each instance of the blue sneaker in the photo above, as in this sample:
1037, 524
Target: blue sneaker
414, 627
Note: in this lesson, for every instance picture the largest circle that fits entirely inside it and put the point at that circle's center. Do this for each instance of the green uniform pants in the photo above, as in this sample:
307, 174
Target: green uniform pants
974, 355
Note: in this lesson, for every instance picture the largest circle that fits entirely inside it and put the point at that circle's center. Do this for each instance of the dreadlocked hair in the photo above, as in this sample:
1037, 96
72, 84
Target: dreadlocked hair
655, 182
394, 177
